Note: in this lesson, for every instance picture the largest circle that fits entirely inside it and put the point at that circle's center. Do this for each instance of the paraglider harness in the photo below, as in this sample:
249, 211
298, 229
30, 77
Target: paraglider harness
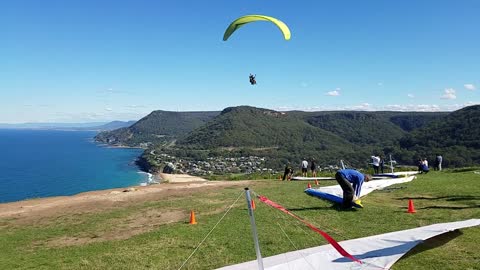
252, 79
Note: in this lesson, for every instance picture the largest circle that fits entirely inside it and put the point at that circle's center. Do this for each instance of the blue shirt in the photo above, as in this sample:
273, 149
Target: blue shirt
354, 177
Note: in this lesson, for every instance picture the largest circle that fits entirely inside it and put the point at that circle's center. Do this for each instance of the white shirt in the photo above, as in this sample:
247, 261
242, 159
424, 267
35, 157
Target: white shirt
304, 164
375, 161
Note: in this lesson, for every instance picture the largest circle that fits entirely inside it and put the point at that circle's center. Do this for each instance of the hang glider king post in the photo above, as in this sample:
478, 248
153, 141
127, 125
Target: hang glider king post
254, 229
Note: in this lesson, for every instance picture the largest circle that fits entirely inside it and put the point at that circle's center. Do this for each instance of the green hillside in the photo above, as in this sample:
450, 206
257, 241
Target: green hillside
282, 136
157, 127
291, 136
456, 137
254, 127
409, 121
360, 128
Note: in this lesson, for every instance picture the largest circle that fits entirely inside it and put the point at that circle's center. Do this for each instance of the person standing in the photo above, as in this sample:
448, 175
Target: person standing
304, 167
351, 182
288, 172
313, 167
375, 163
382, 163
438, 162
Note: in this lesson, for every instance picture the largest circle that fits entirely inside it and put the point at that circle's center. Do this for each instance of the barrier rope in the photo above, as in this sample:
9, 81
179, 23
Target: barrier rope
314, 229
294, 246
205, 238
332, 241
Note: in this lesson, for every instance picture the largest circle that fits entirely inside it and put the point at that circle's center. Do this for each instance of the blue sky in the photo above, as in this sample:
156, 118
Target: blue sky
77, 61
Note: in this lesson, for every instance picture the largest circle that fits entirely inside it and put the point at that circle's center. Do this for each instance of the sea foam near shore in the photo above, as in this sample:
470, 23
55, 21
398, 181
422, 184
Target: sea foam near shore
149, 179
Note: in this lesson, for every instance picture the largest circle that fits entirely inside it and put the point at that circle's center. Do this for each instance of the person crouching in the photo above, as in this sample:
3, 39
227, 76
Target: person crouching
351, 182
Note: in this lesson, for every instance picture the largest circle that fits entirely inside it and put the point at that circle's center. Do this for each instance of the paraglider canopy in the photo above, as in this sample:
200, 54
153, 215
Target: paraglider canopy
254, 18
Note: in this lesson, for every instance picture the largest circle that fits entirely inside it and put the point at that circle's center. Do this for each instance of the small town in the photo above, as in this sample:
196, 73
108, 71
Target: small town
214, 165
221, 165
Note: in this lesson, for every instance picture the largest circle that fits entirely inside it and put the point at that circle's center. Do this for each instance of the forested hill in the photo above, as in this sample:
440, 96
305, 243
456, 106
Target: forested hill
456, 136
254, 127
370, 128
248, 130
157, 127
325, 136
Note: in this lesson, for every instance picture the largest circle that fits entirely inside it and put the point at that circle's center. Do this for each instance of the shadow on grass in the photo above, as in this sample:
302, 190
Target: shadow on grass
334, 207
390, 189
447, 198
313, 208
450, 207
433, 242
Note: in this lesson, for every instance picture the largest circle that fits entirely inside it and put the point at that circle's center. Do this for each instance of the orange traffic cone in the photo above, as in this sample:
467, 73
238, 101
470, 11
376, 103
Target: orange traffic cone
316, 182
309, 186
411, 208
253, 204
192, 218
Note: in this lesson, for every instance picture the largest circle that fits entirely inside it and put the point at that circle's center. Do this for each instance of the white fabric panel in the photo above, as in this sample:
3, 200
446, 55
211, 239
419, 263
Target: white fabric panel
312, 178
376, 252
367, 187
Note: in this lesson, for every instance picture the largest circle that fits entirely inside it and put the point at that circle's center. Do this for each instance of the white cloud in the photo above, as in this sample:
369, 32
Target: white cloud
412, 107
108, 109
135, 106
389, 107
333, 93
410, 96
109, 92
469, 86
362, 107
449, 93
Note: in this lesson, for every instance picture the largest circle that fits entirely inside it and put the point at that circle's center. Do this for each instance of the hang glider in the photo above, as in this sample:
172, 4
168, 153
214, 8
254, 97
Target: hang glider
376, 252
335, 193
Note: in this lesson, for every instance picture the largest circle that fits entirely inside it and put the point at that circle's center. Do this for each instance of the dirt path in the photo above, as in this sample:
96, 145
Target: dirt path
96, 201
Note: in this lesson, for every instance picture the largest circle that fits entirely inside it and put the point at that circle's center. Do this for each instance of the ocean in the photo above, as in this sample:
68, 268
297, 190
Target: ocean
44, 163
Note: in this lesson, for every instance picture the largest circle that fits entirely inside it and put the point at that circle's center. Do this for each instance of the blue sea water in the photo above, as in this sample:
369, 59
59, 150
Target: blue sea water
43, 163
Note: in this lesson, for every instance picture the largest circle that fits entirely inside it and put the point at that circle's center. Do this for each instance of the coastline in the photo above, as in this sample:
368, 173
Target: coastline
97, 200
142, 165
106, 145
153, 183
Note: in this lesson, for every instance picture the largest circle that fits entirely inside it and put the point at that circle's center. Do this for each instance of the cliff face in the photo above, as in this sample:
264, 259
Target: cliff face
144, 165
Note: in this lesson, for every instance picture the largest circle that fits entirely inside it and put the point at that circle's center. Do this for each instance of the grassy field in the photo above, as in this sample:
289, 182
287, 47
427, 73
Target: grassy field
107, 239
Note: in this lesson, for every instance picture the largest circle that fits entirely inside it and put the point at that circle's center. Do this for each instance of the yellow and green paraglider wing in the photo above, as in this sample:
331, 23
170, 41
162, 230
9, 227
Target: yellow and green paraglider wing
255, 18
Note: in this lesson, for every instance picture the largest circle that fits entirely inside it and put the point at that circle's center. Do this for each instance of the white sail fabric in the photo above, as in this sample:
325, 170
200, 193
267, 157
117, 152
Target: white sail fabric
298, 178
406, 173
376, 252
367, 187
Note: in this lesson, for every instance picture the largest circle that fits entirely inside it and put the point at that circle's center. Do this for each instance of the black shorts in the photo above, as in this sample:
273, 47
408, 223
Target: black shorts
304, 170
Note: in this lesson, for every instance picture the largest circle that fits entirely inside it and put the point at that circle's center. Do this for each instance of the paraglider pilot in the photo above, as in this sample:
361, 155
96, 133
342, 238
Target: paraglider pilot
252, 79
351, 182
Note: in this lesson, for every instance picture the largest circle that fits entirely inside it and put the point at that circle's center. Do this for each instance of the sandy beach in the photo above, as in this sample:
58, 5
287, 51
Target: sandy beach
179, 178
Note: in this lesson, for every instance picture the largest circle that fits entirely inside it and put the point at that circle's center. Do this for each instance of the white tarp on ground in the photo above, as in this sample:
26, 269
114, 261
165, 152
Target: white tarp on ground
376, 252
299, 178
312, 178
406, 173
367, 187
